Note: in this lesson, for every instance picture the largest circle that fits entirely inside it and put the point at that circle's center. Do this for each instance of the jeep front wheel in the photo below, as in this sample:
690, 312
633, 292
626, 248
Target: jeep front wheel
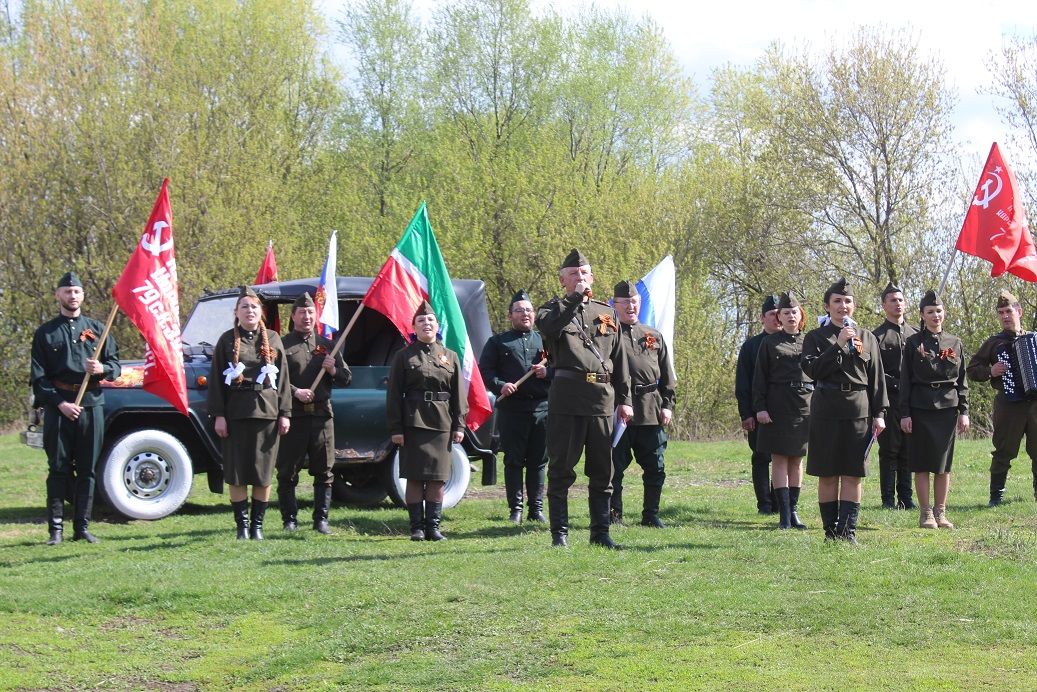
460, 474
146, 475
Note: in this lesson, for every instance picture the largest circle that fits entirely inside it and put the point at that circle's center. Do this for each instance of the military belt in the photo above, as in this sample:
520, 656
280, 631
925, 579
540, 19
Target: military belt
645, 388
248, 387
593, 377
65, 386
803, 386
841, 386
429, 396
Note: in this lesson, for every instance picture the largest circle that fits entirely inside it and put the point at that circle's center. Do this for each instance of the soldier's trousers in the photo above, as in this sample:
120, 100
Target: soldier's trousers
567, 438
73, 448
523, 439
308, 436
646, 444
1012, 420
893, 456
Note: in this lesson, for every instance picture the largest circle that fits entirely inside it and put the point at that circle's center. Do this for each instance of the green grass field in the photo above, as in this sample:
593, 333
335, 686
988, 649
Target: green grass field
719, 600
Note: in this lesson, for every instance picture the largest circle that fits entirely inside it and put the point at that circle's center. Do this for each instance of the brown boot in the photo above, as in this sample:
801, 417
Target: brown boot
926, 520
940, 515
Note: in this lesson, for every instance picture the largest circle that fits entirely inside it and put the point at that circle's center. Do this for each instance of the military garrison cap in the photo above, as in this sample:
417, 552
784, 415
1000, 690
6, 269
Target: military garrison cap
929, 299
424, 309
1005, 299
304, 301
575, 258
769, 303
247, 292
70, 279
890, 288
519, 295
787, 300
624, 289
841, 287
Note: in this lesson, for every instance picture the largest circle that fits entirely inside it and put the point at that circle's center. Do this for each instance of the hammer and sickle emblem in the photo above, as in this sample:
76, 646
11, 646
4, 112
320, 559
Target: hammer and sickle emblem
988, 196
155, 246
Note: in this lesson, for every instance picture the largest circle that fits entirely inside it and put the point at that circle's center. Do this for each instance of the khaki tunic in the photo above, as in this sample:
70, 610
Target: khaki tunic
849, 391
426, 423
933, 392
251, 409
782, 390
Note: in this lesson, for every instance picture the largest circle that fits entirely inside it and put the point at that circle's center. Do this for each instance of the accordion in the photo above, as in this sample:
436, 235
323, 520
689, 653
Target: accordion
1020, 379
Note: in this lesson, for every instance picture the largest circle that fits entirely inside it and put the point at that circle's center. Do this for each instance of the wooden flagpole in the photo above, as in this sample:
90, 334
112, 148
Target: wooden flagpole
525, 377
97, 352
339, 343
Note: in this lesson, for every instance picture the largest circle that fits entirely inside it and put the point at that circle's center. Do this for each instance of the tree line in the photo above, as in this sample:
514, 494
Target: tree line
526, 132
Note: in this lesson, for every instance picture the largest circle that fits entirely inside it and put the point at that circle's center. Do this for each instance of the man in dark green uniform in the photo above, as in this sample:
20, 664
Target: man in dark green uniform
590, 382
312, 433
1012, 418
746, 368
64, 350
653, 393
894, 474
522, 410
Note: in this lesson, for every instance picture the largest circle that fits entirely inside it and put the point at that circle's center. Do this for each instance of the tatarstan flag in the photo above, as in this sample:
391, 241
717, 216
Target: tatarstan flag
415, 271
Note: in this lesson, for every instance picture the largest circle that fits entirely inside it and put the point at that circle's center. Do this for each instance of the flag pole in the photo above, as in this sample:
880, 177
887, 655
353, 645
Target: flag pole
947, 272
529, 373
97, 351
339, 343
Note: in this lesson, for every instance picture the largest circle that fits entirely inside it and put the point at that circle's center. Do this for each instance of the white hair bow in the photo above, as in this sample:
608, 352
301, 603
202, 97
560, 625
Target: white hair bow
232, 372
268, 371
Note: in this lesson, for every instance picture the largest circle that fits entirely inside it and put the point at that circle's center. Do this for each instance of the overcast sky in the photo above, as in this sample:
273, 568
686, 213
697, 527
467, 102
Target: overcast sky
705, 35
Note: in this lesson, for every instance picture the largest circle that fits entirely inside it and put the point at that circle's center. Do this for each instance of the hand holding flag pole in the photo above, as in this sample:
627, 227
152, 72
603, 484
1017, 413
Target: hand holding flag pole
98, 350
529, 373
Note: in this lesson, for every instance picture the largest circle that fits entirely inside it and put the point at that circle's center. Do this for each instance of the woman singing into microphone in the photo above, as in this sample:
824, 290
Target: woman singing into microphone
846, 410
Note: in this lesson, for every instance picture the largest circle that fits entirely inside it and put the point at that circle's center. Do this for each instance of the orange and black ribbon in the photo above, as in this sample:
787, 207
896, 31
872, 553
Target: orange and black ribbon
650, 342
88, 335
604, 323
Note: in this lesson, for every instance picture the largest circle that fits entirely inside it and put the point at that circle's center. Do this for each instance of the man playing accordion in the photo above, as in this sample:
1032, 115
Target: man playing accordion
1015, 413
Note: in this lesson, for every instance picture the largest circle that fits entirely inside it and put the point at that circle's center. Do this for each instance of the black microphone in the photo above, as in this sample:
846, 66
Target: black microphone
847, 322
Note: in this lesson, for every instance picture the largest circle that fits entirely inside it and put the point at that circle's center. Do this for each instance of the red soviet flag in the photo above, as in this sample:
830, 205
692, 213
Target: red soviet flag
149, 294
995, 227
268, 274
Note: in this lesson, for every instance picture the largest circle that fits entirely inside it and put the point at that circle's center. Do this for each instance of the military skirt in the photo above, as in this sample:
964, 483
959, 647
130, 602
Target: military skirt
250, 451
425, 455
932, 440
837, 447
789, 432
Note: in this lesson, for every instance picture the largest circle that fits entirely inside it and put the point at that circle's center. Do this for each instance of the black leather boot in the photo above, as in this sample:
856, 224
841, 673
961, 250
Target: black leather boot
558, 510
829, 512
888, 485
784, 508
433, 518
793, 505
255, 529
416, 512
321, 504
289, 507
241, 518
905, 489
513, 491
535, 500
81, 519
650, 511
848, 512
616, 507
55, 519
765, 503
599, 504
997, 488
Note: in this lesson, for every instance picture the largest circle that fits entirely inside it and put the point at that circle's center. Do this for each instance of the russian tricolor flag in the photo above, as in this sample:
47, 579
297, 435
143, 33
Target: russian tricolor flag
658, 291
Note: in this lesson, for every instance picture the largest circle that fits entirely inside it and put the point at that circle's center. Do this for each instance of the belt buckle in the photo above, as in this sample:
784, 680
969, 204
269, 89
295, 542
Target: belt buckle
308, 408
428, 396
845, 387
934, 385
592, 377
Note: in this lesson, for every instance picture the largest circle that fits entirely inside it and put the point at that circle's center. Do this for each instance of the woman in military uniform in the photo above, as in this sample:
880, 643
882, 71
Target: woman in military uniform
934, 399
426, 412
781, 397
847, 409
250, 401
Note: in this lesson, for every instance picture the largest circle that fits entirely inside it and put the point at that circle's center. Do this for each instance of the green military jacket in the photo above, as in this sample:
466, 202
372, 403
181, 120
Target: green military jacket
978, 369
780, 387
557, 321
60, 349
891, 338
305, 354
845, 386
648, 363
249, 398
418, 375
932, 373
